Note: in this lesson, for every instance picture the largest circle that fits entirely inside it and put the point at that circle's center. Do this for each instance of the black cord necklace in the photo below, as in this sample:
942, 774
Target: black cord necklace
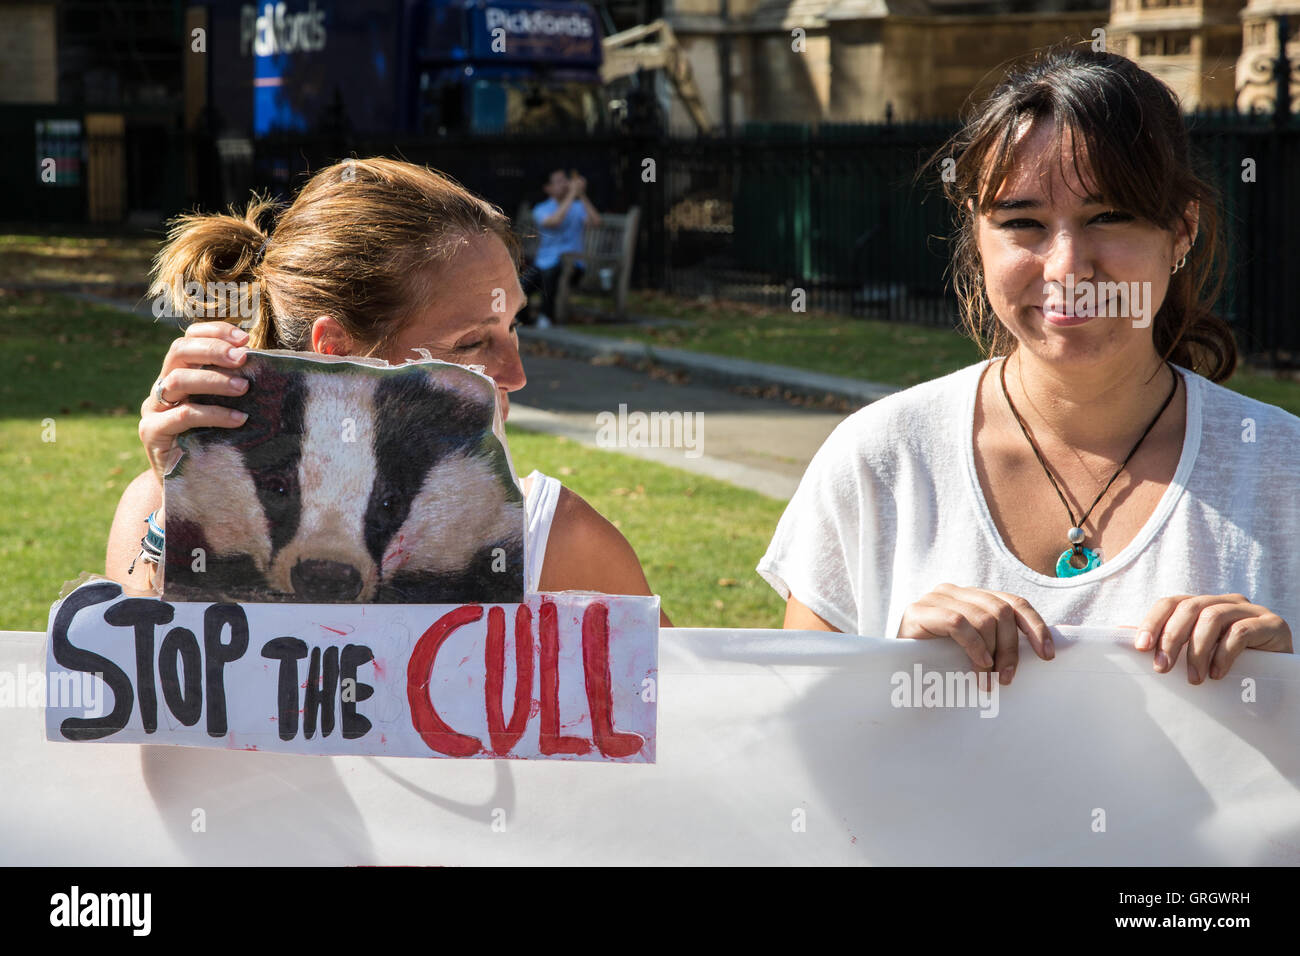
1077, 559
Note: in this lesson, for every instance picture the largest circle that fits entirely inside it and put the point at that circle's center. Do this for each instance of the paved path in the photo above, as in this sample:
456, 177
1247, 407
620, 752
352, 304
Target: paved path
758, 443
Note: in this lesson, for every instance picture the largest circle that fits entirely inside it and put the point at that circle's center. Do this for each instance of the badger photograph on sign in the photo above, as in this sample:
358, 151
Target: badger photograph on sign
351, 481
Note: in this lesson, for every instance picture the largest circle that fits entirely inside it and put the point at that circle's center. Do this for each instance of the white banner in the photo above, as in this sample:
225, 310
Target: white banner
772, 747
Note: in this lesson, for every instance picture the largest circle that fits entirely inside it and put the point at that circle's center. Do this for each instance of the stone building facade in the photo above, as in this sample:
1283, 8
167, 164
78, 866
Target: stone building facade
1259, 47
28, 32
865, 60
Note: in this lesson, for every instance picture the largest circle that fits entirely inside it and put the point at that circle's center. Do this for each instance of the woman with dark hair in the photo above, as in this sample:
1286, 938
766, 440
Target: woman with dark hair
374, 258
1092, 470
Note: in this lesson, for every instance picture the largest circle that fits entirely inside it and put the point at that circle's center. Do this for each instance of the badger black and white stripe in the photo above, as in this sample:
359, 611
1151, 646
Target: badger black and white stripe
348, 483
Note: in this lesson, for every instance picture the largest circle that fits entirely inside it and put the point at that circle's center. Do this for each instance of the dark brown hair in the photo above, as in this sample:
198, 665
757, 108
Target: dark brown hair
1138, 156
361, 242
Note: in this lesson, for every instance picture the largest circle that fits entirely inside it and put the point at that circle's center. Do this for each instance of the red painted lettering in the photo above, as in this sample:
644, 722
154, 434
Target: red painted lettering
551, 741
504, 737
595, 666
419, 670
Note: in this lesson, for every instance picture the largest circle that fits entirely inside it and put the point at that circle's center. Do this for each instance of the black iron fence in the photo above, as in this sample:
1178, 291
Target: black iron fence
794, 217
833, 217
1255, 165
505, 170
828, 217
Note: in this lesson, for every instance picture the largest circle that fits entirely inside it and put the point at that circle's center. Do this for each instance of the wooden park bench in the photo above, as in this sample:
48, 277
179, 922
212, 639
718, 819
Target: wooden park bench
608, 248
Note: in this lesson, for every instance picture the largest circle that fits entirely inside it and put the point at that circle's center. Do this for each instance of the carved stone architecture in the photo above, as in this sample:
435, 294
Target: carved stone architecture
1256, 86
1192, 45
866, 60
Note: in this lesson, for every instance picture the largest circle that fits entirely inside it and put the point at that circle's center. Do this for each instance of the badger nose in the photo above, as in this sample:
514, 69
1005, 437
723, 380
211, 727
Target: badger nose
318, 580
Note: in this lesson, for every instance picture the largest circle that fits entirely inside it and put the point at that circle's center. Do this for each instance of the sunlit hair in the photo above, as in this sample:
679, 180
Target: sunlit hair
361, 242
1130, 126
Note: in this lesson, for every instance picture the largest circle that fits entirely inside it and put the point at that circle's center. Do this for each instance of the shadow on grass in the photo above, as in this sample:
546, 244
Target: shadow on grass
60, 356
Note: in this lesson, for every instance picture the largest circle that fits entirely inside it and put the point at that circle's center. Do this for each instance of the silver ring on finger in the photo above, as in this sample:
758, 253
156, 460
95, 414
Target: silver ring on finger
158, 395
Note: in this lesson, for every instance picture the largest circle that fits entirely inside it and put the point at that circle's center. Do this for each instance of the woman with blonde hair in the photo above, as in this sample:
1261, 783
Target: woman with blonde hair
1092, 470
375, 258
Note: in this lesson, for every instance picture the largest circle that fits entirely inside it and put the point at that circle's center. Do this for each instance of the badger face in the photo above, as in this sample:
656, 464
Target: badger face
351, 485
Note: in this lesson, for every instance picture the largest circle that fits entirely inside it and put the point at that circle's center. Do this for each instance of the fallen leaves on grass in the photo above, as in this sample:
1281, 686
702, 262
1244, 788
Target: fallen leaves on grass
671, 376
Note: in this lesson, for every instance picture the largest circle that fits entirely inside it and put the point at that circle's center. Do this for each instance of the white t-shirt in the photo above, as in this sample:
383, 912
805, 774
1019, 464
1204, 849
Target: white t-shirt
890, 507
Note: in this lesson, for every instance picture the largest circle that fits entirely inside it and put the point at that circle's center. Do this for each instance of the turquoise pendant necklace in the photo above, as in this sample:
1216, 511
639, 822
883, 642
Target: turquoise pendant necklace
1078, 559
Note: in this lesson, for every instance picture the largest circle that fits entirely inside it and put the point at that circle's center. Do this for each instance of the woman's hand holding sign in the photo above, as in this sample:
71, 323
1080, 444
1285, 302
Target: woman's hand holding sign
1215, 629
200, 363
987, 624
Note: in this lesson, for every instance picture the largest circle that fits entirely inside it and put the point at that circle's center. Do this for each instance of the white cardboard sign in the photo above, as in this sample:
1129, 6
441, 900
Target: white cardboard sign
569, 675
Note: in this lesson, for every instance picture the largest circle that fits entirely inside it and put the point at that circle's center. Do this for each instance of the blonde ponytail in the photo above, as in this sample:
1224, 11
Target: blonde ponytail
209, 268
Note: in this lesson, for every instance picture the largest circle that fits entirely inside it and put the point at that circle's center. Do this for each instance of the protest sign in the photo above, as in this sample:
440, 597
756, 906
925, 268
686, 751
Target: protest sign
568, 675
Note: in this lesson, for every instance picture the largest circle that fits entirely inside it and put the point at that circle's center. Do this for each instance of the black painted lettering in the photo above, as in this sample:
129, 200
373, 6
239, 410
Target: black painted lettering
143, 614
75, 658
354, 725
180, 650
288, 651
320, 693
217, 655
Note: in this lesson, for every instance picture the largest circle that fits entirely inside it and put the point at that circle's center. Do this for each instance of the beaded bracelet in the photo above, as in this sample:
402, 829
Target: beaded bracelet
154, 536
151, 545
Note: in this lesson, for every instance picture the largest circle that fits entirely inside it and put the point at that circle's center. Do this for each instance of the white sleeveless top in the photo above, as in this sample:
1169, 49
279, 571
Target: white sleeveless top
539, 512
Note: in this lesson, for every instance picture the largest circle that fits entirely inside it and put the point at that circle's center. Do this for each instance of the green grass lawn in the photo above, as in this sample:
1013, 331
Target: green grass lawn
874, 351
884, 352
698, 539
77, 373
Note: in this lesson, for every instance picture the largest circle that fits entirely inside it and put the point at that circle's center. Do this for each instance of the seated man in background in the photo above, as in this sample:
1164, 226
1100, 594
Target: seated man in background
561, 219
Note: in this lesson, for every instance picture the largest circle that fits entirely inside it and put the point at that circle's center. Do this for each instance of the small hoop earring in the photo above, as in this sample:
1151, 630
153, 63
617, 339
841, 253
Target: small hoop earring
1179, 264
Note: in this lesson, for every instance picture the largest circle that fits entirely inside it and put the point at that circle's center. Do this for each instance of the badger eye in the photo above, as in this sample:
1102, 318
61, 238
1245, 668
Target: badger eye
278, 485
386, 504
